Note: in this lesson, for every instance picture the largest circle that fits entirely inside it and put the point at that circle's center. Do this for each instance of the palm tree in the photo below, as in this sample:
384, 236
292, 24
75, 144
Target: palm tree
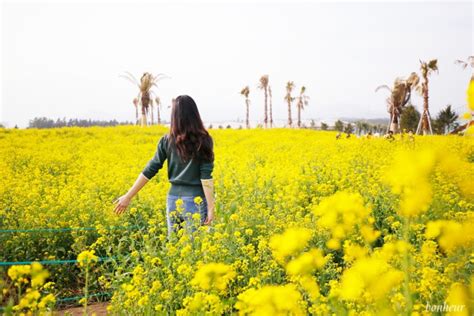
158, 108
264, 86
400, 94
289, 88
301, 103
245, 92
426, 68
146, 83
135, 103
445, 120
464, 63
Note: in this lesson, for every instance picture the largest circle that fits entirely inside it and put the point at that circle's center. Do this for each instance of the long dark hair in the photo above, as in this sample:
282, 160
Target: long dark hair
187, 131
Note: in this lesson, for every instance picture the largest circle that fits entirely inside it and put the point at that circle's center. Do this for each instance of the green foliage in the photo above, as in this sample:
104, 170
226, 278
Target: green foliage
339, 126
349, 129
409, 119
445, 120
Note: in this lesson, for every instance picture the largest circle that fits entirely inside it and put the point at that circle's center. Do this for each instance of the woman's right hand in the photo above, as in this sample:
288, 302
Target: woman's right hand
122, 204
210, 216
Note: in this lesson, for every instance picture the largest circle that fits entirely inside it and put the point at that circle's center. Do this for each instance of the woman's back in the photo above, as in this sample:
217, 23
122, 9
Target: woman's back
185, 176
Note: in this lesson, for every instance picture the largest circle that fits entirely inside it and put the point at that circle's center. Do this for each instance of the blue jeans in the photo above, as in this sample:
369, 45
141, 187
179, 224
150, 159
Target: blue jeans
183, 215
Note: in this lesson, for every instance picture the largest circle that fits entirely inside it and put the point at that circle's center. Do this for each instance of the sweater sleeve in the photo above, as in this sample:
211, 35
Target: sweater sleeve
206, 167
156, 163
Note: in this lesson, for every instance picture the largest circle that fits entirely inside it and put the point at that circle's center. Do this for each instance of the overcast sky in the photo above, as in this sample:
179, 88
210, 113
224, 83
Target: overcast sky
64, 60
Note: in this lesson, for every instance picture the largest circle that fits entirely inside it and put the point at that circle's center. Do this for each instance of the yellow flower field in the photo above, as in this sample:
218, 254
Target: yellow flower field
306, 224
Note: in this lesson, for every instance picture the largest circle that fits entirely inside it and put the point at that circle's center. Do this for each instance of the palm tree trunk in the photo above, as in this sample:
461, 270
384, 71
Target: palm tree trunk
299, 115
247, 113
136, 114
289, 114
145, 104
394, 120
271, 115
152, 122
143, 123
394, 123
265, 120
425, 122
158, 114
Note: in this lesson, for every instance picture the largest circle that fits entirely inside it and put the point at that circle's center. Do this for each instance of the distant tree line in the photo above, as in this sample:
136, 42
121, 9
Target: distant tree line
44, 122
358, 127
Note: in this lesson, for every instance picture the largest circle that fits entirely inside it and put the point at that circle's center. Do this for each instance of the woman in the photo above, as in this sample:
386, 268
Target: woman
189, 150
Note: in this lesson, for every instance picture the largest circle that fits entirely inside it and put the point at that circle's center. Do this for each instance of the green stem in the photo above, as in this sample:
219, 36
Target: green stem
406, 265
19, 292
86, 289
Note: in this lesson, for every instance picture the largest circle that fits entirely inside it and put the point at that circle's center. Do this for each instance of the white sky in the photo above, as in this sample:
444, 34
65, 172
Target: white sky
63, 60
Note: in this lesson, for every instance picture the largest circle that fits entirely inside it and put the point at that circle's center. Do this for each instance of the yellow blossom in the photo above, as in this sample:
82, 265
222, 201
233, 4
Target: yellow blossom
87, 258
213, 276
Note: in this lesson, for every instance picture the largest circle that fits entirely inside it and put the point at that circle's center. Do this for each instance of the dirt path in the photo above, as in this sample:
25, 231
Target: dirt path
100, 309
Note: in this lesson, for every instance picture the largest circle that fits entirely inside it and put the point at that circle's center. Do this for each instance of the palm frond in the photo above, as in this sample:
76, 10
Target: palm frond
433, 65
245, 91
289, 86
461, 63
419, 89
159, 77
263, 82
384, 86
131, 80
470, 59
413, 79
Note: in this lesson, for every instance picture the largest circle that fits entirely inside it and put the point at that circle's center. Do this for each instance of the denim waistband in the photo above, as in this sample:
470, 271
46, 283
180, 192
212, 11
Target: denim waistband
186, 190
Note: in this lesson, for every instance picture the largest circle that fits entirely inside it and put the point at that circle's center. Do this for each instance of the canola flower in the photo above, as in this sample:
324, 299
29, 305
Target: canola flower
306, 218
470, 108
202, 302
470, 95
450, 234
270, 300
87, 258
289, 243
213, 276
341, 214
34, 294
369, 275
409, 177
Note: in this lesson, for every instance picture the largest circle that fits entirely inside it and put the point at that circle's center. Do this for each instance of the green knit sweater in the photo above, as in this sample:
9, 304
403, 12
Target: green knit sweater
185, 177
